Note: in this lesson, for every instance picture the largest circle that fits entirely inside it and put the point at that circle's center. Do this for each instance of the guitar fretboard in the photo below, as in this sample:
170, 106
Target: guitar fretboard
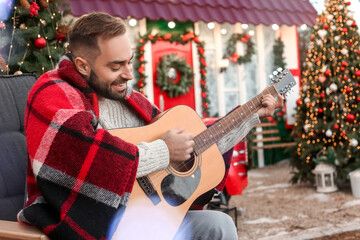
231, 121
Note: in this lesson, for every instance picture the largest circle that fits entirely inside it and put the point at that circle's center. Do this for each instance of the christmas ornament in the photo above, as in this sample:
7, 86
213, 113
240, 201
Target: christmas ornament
336, 127
40, 43
333, 27
327, 73
322, 33
307, 100
337, 38
344, 30
349, 22
299, 102
330, 17
306, 127
231, 47
43, 22
357, 73
358, 99
328, 133
43, 3
354, 142
350, 117
322, 95
327, 91
322, 79
333, 87
344, 51
321, 111
319, 42
25, 4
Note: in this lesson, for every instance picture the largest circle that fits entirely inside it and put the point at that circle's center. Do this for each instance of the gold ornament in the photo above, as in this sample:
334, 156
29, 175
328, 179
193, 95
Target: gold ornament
62, 30
43, 3
25, 4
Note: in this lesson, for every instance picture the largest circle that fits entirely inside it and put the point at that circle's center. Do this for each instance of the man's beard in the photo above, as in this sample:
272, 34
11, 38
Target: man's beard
104, 90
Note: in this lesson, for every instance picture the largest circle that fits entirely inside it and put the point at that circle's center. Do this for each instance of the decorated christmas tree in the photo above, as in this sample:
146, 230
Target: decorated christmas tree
33, 37
329, 105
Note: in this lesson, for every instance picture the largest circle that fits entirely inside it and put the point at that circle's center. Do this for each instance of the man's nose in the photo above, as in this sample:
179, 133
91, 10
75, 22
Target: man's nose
127, 73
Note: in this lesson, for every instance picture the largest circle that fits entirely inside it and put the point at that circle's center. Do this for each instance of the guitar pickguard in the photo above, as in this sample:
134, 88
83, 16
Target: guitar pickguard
176, 190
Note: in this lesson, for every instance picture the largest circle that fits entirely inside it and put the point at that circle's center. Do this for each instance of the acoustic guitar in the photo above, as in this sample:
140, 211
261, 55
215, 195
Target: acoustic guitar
160, 200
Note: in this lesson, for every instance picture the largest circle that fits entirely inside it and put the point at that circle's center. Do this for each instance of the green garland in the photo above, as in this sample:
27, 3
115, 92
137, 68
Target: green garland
278, 51
231, 48
168, 83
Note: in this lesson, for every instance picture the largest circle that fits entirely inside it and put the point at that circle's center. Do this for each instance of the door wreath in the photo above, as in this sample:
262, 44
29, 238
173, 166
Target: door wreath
174, 75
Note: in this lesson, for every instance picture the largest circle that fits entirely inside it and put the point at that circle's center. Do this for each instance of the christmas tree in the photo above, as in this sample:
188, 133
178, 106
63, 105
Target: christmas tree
33, 37
329, 105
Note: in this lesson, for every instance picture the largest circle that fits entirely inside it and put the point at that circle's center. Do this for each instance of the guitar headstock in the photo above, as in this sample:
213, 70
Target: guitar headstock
282, 80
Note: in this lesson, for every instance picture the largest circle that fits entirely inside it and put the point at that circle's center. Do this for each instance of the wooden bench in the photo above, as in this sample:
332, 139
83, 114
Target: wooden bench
267, 138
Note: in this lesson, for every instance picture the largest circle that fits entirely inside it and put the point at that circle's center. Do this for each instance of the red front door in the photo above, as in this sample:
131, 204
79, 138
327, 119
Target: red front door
159, 49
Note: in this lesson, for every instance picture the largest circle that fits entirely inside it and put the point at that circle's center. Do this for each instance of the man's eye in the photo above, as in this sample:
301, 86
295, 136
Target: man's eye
115, 69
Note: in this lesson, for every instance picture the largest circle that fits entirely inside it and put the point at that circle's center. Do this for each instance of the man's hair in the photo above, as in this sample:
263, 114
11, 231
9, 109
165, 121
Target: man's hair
88, 29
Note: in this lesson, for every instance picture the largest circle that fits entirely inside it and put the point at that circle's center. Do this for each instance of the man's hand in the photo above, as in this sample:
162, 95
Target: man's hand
180, 144
269, 105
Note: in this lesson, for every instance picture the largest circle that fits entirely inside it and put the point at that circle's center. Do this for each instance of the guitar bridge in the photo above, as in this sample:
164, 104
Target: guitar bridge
149, 189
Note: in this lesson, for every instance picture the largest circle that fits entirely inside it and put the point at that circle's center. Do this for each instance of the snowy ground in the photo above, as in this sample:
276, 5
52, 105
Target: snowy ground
271, 208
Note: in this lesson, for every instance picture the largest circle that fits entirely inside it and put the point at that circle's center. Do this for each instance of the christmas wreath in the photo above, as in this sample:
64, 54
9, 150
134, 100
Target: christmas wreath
231, 48
167, 75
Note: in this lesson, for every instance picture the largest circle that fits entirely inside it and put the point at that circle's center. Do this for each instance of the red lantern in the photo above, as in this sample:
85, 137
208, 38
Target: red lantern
350, 117
336, 127
40, 43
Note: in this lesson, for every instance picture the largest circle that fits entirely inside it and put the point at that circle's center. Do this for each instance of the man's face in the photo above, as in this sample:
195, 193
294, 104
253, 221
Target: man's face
112, 68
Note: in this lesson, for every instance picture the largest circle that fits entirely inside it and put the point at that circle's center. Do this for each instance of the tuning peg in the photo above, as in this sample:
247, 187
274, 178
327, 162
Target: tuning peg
275, 73
271, 77
279, 69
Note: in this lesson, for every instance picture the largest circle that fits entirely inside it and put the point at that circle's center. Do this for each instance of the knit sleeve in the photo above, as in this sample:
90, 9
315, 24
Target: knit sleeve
236, 135
153, 156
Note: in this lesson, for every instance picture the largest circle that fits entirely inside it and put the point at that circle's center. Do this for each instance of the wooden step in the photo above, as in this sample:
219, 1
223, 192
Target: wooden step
271, 131
266, 124
275, 145
268, 139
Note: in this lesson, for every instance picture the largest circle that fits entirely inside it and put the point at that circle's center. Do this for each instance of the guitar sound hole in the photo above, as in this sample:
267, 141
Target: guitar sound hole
184, 166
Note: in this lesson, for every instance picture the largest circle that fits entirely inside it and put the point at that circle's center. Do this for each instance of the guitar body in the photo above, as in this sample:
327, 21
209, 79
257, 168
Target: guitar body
176, 188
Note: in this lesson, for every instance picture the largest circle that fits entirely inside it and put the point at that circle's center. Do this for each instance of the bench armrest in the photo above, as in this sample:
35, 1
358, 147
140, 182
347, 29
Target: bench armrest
14, 230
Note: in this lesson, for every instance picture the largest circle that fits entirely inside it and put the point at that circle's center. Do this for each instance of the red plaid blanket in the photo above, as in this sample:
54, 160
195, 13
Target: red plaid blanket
78, 177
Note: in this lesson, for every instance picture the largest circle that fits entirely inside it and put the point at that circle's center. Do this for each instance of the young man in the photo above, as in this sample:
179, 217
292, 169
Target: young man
79, 175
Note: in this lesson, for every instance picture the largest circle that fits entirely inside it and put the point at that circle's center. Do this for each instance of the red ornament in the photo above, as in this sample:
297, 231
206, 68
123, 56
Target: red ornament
350, 117
344, 63
281, 114
322, 95
348, 90
327, 73
350, 43
201, 51
167, 36
345, 77
330, 103
312, 38
336, 127
40, 43
342, 68
188, 36
299, 102
358, 52
358, 99
344, 133
151, 37
326, 26
344, 29
320, 111
357, 73
348, 3
196, 39
353, 24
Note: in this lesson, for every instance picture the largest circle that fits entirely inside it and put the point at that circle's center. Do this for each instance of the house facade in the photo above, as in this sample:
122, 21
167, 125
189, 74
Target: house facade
214, 22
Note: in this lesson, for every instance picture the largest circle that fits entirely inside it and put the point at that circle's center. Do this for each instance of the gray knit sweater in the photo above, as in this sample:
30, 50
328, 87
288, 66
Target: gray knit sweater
154, 156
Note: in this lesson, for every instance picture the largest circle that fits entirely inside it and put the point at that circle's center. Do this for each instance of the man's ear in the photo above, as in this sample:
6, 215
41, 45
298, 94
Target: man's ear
82, 66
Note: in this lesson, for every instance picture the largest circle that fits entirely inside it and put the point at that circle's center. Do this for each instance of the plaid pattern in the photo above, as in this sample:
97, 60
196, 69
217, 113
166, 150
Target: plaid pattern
78, 177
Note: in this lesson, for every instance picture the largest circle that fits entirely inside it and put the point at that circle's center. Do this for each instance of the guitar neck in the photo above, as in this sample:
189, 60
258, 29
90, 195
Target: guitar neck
231, 121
